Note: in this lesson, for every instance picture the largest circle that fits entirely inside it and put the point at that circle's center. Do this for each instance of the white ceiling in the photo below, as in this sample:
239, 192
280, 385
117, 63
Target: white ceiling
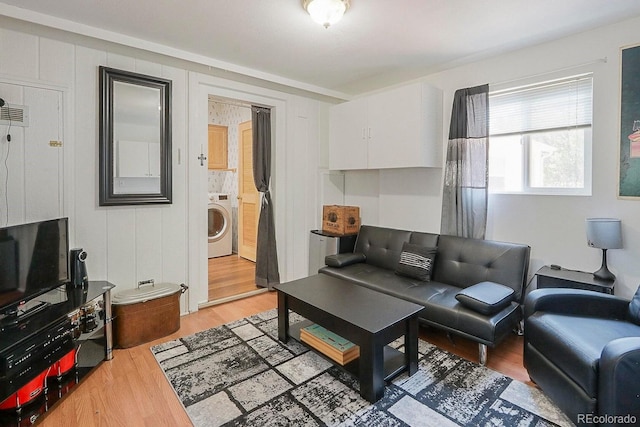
378, 43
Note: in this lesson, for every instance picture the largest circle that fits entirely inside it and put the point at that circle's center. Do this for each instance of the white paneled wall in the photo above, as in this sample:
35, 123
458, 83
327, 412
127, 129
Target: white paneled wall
303, 206
87, 221
127, 244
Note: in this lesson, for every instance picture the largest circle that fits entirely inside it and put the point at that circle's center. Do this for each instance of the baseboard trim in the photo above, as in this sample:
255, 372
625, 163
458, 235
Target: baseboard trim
232, 298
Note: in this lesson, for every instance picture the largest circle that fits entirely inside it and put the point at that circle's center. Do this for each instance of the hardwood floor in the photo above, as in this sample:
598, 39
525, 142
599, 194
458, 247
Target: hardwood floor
506, 358
131, 390
229, 276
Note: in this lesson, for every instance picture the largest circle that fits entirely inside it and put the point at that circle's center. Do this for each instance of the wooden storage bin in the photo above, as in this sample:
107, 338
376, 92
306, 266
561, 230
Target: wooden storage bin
340, 220
145, 314
331, 345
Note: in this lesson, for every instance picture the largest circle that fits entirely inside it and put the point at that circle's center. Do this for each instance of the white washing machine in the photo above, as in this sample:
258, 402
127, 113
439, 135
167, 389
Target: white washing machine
220, 225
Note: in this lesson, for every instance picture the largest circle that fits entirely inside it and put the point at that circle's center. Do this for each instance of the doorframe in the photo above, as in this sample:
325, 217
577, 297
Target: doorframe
200, 87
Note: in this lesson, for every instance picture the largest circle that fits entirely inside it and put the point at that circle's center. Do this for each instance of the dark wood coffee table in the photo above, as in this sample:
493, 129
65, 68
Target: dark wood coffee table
365, 317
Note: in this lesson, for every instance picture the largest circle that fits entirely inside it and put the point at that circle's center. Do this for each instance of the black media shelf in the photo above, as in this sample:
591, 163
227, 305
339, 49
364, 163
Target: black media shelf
63, 312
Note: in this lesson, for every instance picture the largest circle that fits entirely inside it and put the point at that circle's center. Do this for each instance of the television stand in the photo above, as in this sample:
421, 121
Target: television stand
18, 316
56, 323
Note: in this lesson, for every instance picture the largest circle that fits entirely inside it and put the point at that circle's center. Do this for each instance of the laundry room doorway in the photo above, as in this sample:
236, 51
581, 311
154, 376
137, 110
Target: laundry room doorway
231, 255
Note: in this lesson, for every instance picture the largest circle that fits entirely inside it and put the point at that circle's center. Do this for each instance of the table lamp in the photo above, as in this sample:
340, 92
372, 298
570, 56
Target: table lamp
604, 233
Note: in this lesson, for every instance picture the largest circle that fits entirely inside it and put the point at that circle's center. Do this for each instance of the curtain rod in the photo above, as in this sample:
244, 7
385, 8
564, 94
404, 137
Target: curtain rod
595, 61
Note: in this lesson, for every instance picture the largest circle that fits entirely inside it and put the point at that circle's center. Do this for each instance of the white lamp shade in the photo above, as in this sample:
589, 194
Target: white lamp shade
604, 233
326, 12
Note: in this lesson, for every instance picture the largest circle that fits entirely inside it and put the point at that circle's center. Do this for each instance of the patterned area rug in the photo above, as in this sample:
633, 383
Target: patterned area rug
239, 374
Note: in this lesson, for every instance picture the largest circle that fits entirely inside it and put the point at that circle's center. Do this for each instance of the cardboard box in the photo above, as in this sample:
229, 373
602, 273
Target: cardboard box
340, 220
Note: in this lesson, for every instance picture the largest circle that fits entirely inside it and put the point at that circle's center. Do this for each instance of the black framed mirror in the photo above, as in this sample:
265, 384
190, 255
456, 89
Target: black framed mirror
135, 138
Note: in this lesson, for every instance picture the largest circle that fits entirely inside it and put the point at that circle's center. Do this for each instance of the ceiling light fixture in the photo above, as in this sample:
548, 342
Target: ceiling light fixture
326, 12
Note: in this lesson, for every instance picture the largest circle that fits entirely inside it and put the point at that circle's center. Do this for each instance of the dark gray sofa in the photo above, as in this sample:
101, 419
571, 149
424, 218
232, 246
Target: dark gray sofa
459, 263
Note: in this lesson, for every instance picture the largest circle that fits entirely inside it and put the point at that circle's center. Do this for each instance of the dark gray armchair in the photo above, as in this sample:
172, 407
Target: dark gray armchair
582, 349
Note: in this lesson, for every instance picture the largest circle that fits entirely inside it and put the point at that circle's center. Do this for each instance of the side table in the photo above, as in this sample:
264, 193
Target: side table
563, 278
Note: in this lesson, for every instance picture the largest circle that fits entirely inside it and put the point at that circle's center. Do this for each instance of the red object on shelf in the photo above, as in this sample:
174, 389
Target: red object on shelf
64, 365
26, 394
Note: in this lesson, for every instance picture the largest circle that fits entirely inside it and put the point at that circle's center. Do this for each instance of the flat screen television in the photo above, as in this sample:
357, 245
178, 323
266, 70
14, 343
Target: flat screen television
34, 258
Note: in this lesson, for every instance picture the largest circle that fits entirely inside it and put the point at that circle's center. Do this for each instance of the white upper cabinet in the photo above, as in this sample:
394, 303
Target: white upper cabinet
348, 141
399, 128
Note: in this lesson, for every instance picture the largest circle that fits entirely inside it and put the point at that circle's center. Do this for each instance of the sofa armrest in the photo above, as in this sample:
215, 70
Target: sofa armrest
619, 388
577, 302
342, 260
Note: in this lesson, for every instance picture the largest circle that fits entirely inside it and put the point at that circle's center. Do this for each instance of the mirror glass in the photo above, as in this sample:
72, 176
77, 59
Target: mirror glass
135, 138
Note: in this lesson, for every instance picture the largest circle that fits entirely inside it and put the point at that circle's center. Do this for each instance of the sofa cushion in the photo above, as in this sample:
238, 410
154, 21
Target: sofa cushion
444, 311
416, 261
486, 297
381, 246
424, 239
634, 308
463, 262
386, 281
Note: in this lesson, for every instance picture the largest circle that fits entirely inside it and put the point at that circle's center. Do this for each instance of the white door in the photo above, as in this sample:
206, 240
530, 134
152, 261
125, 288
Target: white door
32, 182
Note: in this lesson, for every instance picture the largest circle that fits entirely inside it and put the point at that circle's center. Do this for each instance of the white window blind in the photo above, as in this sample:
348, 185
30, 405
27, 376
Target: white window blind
558, 104
540, 137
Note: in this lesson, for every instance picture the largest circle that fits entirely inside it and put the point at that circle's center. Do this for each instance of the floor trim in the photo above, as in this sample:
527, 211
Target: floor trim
232, 298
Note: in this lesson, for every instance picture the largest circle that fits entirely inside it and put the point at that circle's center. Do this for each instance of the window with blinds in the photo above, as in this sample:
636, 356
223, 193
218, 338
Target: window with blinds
540, 138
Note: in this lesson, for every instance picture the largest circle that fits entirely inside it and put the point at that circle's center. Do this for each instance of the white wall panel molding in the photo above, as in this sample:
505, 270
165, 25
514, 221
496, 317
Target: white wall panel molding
37, 83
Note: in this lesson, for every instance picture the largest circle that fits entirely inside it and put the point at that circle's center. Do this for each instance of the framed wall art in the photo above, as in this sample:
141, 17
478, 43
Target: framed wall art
629, 178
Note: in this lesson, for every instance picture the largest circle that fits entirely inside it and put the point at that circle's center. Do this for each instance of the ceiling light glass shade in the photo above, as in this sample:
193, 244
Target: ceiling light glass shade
326, 12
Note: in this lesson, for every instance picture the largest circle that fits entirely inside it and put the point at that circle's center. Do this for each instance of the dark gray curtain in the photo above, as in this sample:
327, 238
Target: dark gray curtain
267, 274
464, 198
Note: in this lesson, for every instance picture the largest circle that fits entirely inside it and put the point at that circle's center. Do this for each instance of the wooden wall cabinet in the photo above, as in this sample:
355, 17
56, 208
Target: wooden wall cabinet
218, 147
398, 128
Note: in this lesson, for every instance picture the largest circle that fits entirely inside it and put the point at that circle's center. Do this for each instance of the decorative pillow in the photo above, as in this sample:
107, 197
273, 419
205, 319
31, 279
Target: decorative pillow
486, 297
416, 261
634, 308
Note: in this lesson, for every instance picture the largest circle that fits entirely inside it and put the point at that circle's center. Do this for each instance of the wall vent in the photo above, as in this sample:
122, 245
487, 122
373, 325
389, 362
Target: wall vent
14, 115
